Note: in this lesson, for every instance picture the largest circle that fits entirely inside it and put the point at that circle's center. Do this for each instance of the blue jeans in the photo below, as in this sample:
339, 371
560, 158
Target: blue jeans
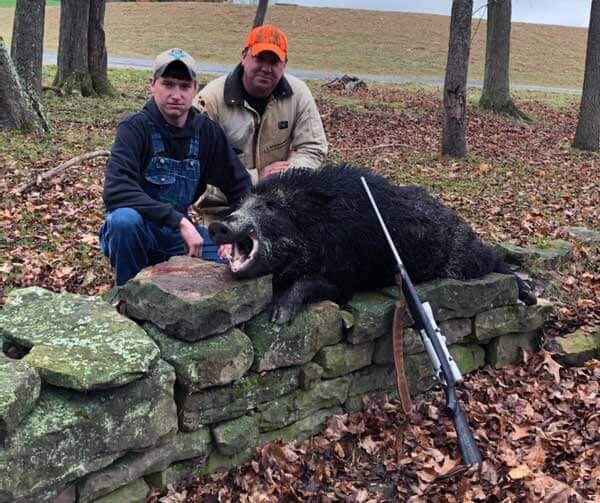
132, 243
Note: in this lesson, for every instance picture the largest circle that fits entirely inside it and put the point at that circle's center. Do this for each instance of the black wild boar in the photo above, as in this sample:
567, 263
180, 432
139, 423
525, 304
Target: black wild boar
318, 235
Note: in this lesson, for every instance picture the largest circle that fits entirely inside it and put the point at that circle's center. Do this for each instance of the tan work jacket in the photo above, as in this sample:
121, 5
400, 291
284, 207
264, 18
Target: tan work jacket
289, 129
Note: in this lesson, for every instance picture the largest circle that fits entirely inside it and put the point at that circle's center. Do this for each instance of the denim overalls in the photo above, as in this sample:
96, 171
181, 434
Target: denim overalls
130, 241
170, 181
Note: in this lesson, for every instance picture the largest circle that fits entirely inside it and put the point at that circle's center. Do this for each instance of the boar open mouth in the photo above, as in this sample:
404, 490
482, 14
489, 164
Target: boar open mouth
243, 253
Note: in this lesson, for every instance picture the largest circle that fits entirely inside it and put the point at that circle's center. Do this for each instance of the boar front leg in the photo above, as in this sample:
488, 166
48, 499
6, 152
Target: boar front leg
302, 291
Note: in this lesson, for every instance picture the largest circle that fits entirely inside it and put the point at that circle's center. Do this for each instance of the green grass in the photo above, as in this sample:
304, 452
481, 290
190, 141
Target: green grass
326, 39
11, 3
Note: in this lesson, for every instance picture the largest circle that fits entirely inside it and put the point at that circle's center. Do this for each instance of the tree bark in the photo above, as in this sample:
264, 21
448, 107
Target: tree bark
455, 83
27, 46
261, 12
587, 134
73, 71
17, 110
98, 60
496, 85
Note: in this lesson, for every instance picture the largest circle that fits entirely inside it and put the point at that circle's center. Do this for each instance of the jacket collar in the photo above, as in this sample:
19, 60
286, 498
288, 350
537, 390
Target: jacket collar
234, 92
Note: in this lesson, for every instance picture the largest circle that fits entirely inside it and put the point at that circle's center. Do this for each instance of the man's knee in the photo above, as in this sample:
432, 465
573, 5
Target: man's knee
124, 219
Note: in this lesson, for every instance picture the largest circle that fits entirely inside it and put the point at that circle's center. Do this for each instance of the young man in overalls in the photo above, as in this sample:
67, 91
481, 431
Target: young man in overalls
161, 161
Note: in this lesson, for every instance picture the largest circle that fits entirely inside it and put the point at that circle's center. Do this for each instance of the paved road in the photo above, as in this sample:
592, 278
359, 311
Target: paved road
141, 64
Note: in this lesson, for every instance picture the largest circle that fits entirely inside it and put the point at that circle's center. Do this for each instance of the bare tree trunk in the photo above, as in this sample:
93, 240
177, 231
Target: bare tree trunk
261, 12
587, 135
455, 84
27, 46
496, 91
17, 111
98, 60
73, 71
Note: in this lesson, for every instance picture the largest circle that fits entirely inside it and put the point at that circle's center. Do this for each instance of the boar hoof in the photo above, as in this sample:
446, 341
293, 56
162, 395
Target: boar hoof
282, 313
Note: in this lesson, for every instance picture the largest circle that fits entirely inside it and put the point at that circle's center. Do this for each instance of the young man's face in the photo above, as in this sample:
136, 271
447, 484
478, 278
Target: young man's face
261, 73
173, 98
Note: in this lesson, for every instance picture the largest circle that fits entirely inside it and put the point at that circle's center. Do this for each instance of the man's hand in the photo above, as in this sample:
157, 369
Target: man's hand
224, 251
191, 238
273, 168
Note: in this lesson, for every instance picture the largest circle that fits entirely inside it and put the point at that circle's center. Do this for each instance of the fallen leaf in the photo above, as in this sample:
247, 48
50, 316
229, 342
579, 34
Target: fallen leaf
549, 490
519, 432
520, 472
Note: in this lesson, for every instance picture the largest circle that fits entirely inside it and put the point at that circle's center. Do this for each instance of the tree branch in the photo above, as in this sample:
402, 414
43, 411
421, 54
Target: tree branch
58, 169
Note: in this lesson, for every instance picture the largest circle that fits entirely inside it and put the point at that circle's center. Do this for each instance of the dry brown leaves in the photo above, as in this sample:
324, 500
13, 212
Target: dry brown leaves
521, 182
537, 424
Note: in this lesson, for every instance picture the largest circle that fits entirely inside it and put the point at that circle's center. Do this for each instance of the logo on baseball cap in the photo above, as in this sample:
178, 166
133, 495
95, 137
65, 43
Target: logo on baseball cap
164, 59
268, 38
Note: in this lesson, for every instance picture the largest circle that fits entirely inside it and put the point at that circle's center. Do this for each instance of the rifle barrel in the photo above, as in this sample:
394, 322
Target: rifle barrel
468, 446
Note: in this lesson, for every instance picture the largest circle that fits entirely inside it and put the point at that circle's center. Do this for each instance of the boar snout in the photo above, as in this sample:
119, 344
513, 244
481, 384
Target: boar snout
221, 233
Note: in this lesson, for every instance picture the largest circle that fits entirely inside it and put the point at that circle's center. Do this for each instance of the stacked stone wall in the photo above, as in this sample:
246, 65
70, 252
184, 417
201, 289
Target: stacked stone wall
192, 377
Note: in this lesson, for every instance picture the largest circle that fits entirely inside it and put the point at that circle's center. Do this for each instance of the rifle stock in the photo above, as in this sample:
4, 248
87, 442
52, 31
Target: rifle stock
445, 373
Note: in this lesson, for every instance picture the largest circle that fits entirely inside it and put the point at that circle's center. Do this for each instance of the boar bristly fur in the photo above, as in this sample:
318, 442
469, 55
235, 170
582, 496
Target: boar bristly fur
318, 235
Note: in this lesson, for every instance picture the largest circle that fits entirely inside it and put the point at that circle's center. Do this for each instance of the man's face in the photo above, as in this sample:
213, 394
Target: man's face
261, 73
173, 97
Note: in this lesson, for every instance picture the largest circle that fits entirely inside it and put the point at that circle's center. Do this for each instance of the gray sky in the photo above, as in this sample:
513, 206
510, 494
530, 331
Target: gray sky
563, 12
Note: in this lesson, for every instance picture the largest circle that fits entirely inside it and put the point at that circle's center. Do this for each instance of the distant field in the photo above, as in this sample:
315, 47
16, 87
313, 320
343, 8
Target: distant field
335, 40
11, 3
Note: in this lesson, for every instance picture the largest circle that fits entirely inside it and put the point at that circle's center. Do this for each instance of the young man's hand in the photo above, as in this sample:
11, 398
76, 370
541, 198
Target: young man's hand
273, 168
224, 251
191, 238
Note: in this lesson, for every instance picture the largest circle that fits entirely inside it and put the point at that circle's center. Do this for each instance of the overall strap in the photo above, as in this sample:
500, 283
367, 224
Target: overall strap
194, 149
158, 146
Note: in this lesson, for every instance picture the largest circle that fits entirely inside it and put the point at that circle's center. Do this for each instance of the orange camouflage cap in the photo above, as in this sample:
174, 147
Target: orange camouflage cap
268, 38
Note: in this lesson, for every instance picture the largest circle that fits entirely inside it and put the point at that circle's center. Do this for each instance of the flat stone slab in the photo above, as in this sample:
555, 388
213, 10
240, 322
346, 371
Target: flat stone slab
555, 254
134, 492
511, 320
575, 349
343, 358
228, 402
217, 360
455, 330
191, 299
508, 349
373, 314
76, 341
295, 406
236, 435
295, 343
452, 298
70, 434
585, 236
305, 428
134, 465
19, 389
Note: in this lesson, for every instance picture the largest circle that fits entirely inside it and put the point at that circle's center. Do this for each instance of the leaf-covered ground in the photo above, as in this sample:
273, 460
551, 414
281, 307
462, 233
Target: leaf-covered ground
537, 425
522, 183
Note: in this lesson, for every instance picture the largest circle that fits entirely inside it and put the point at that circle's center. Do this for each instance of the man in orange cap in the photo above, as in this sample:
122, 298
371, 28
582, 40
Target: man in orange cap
270, 118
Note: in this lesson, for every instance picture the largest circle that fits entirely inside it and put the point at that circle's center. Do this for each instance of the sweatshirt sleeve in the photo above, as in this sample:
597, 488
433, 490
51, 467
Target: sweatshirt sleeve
225, 169
129, 155
309, 144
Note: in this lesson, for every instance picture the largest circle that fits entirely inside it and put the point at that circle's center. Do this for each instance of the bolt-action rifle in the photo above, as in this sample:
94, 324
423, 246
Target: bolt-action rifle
445, 368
